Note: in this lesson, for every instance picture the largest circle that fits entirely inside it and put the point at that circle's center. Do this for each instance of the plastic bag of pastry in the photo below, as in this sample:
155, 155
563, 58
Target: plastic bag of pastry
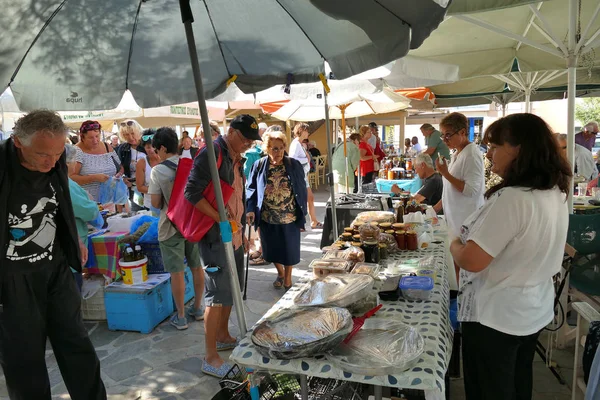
381, 347
374, 216
354, 254
369, 232
324, 266
298, 333
339, 290
390, 240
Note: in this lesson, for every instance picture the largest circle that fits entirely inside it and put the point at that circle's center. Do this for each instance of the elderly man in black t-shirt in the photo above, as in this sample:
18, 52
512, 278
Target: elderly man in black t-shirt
431, 191
39, 298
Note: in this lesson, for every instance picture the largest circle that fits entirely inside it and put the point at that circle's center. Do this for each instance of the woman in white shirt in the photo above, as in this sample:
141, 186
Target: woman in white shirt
298, 152
143, 170
508, 252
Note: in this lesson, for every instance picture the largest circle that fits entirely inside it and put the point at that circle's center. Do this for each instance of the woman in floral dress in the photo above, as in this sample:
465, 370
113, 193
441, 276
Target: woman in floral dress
276, 198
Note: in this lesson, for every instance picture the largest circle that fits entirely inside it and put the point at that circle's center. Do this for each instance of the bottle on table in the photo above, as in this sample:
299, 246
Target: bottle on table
129, 254
139, 254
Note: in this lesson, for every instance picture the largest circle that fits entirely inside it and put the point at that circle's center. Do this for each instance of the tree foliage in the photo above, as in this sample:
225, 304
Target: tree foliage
588, 110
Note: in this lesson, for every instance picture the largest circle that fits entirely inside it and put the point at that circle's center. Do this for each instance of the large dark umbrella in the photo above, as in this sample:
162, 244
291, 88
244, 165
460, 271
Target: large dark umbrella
83, 54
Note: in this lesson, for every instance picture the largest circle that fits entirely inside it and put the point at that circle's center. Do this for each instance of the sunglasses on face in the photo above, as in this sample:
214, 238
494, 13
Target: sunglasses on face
90, 127
128, 123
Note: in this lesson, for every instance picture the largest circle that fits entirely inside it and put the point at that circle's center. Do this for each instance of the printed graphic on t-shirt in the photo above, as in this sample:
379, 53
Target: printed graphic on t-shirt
32, 229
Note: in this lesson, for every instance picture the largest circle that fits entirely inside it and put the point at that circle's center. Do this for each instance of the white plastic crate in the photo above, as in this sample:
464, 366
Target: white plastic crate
93, 309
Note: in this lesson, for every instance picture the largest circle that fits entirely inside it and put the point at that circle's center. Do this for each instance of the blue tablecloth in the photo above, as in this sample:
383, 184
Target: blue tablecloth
385, 185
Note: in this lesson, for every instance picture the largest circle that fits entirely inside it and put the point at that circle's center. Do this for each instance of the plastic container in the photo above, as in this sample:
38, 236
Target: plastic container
366, 269
416, 287
134, 272
138, 307
331, 266
189, 292
155, 261
427, 272
93, 309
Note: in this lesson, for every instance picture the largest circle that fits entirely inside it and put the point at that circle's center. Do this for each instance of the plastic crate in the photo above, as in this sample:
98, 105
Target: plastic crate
272, 387
334, 389
189, 287
138, 307
155, 261
93, 309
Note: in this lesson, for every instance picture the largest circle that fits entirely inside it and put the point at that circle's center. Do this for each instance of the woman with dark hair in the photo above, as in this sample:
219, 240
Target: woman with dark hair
96, 161
367, 157
276, 203
508, 252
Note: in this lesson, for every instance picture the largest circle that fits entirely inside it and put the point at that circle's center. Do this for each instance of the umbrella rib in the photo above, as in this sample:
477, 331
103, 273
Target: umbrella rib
12, 78
135, 23
212, 24
301, 29
391, 12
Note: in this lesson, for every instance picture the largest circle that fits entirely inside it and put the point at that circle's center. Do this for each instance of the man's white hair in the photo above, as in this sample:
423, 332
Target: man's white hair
591, 126
424, 158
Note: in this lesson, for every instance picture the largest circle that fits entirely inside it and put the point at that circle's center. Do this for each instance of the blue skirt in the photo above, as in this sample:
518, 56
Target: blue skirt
280, 243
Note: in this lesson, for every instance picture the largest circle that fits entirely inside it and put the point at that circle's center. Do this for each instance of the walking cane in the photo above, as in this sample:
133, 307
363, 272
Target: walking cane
247, 261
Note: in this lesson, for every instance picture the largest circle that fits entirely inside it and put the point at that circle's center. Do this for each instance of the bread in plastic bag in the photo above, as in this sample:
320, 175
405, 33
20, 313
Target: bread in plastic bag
338, 290
381, 347
390, 240
354, 254
375, 216
298, 333
369, 233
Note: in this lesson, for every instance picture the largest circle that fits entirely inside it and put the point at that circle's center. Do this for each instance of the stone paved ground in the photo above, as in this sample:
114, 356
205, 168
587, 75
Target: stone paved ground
165, 364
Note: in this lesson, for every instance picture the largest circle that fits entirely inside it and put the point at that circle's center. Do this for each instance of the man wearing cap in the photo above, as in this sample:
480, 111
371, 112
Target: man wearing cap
218, 299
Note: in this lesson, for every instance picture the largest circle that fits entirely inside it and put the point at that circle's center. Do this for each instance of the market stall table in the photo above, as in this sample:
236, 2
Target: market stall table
348, 206
431, 317
103, 253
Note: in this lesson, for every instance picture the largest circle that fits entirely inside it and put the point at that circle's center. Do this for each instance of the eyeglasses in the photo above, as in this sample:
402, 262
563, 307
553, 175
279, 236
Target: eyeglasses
127, 123
277, 149
244, 138
145, 138
447, 136
90, 127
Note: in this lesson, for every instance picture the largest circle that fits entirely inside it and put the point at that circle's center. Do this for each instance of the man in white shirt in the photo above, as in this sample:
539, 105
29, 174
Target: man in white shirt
584, 160
416, 146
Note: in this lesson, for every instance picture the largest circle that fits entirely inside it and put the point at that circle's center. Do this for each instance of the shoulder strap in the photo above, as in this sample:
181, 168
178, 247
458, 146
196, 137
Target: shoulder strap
170, 164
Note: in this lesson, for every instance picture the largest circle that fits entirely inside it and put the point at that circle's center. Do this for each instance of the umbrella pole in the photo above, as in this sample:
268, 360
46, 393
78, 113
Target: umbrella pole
343, 110
330, 174
226, 236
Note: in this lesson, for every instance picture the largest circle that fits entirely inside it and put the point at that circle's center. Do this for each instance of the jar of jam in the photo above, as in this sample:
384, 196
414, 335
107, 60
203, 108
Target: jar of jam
355, 244
371, 250
346, 237
401, 239
412, 242
409, 166
356, 238
390, 175
349, 230
385, 226
383, 251
390, 232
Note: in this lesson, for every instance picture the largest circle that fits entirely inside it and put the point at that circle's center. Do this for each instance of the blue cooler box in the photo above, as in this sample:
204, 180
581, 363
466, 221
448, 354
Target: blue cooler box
189, 287
139, 307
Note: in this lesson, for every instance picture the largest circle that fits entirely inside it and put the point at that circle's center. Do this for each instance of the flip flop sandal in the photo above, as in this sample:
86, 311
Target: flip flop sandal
255, 254
317, 225
278, 284
286, 288
214, 371
258, 261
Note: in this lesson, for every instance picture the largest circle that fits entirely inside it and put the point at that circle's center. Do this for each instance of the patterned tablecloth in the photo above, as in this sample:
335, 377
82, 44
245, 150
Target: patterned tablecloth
431, 317
103, 254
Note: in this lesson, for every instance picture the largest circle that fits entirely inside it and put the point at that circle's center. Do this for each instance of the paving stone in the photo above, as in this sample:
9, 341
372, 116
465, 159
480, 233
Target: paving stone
192, 365
164, 379
127, 369
101, 337
127, 352
205, 390
178, 342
